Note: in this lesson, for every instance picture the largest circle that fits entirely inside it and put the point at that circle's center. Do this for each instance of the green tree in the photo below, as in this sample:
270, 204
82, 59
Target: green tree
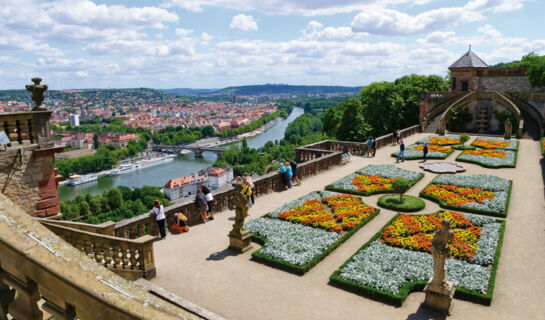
353, 126
96, 142
401, 185
115, 198
84, 208
464, 138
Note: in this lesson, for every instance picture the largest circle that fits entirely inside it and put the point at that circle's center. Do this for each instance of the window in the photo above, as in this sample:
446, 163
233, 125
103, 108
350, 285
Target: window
464, 86
453, 83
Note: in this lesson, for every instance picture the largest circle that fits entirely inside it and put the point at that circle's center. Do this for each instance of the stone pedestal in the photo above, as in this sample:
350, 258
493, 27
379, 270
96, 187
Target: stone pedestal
439, 297
240, 242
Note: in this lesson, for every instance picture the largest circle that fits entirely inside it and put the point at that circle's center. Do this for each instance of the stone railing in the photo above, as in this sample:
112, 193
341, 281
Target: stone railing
27, 128
504, 101
445, 116
441, 100
131, 259
41, 272
106, 228
313, 159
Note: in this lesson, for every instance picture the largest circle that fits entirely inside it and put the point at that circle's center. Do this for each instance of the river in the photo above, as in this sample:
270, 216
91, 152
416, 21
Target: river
181, 166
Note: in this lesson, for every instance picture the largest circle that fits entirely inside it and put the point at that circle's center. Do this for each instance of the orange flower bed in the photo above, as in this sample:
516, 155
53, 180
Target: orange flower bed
456, 196
433, 148
444, 141
488, 144
486, 153
366, 183
347, 212
415, 233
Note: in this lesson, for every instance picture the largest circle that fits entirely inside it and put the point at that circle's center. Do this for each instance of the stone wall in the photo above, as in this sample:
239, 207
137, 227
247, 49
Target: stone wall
28, 178
507, 84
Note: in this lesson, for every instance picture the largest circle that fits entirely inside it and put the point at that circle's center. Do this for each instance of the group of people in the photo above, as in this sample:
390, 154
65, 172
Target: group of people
204, 201
288, 170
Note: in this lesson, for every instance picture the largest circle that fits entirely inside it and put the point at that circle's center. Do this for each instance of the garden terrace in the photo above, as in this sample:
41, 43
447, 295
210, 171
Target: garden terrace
209, 275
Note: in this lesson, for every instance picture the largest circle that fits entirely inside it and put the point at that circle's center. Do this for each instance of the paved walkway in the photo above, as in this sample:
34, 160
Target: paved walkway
197, 266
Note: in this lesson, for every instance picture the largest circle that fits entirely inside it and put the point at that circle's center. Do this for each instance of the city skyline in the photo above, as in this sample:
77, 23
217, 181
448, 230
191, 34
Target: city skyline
220, 43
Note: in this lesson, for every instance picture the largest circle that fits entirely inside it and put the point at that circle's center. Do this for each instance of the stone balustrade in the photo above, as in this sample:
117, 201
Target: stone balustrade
312, 159
459, 103
131, 259
27, 128
41, 272
106, 228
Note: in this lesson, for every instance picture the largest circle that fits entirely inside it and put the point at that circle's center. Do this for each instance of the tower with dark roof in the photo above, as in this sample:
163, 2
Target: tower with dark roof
463, 72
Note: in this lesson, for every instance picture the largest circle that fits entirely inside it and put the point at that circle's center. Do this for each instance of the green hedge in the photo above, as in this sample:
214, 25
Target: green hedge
301, 270
409, 204
463, 147
412, 286
485, 165
483, 212
360, 193
417, 157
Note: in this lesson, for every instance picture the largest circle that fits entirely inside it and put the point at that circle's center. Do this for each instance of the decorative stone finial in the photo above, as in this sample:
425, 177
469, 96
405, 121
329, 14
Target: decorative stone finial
37, 90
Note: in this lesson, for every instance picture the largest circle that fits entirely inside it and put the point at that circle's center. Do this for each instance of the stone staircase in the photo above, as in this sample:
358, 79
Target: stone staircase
482, 122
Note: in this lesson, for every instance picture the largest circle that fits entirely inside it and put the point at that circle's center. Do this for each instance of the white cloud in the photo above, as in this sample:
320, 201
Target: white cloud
316, 31
206, 37
180, 32
244, 23
438, 37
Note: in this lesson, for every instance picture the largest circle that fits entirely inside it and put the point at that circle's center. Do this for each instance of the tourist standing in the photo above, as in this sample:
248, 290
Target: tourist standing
202, 206
369, 146
401, 151
293, 166
248, 181
374, 146
289, 173
394, 137
425, 151
284, 174
209, 200
160, 217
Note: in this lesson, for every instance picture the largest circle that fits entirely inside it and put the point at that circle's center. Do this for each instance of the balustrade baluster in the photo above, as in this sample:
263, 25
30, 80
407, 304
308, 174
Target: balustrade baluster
134, 258
118, 258
132, 231
125, 254
6, 296
24, 306
10, 127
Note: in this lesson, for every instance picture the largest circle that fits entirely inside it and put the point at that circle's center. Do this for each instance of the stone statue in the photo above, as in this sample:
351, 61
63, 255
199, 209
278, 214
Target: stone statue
37, 90
440, 252
439, 292
508, 129
240, 238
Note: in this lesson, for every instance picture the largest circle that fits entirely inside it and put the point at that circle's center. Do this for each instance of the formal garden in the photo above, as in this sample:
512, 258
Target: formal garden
397, 260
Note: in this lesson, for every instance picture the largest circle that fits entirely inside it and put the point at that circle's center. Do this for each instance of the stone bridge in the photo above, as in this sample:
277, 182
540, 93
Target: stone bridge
198, 150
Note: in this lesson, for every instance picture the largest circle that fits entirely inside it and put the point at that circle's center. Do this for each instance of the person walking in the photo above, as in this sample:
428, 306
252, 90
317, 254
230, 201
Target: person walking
284, 174
202, 206
374, 146
401, 152
248, 181
209, 201
394, 137
425, 151
289, 172
293, 166
369, 146
160, 218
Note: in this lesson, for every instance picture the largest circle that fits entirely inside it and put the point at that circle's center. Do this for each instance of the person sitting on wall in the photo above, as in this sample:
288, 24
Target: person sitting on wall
180, 224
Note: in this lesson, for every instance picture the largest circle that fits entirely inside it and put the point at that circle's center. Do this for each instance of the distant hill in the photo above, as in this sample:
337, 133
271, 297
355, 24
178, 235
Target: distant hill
264, 89
189, 91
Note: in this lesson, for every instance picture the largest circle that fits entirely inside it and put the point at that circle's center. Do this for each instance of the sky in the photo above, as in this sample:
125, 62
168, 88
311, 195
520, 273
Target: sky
217, 43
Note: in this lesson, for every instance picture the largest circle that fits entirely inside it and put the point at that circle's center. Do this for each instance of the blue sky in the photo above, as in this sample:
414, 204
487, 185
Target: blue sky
218, 43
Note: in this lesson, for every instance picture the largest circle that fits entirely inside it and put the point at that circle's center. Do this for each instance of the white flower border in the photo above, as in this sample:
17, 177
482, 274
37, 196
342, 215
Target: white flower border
509, 160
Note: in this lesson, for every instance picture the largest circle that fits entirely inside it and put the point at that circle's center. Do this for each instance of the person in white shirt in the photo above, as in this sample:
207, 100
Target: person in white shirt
160, 217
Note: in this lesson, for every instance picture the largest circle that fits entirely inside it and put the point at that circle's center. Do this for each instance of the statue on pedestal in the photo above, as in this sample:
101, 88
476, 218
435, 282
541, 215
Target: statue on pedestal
37, 90
439, 292
508, 129
240, 238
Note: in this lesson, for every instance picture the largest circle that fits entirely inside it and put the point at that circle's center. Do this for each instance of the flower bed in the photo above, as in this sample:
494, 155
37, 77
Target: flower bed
543, 146
393, 264
490, 158
435, 151
495, 143
373, 179
484, 194
440, 140
299, 234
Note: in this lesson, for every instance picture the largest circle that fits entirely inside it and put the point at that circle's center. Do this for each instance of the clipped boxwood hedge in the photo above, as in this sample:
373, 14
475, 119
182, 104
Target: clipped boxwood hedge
463, 147
409, 204
483, 212
412, 286
301, 270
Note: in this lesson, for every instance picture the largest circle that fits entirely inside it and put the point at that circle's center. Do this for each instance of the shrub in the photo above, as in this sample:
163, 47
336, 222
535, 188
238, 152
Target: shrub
464, 138
400, 186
